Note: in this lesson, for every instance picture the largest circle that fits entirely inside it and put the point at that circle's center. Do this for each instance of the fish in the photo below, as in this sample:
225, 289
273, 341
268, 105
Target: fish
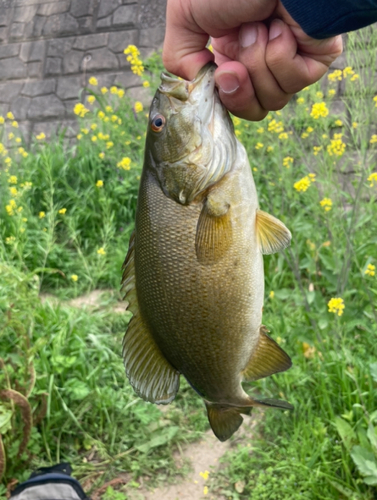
193, 276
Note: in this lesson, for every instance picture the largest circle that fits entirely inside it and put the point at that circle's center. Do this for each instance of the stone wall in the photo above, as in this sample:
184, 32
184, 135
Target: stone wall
49, 48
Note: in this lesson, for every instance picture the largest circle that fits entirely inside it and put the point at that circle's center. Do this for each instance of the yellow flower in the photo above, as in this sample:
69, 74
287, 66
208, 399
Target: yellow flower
80, 110
372, 179
335, 76
125, 163
79, 136
237, 132
93, 81
354, 77
101, 251
99, 184
370, 270
10, 115
312, 177
275, 126
304, 135
283, 136
236, 121
339, 123
332, 92
258, 145
302, 184
316, 150
204, 475
145, 84
14, 124
336, 146
127, 143
1, 120
104, 90
120, 93
25, 154
114, 118
269, 149
18, 140
310, 130
287, 161
41, 136
108, 109
109, 144
319, 94
113, 90
74, 277
101, 114
133, 54
348, 71
94, 138
300, 100
308, 350
42, 214
138, 107
336, 306
12, 179
85, 131
205, 490
272, 294
326, 203
62, 211
354, 124
373, 139
10, 240
102, 155
91, 99
319, 109
8, 161
13, 191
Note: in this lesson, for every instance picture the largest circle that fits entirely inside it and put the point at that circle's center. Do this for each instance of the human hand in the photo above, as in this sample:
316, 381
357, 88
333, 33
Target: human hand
264, 56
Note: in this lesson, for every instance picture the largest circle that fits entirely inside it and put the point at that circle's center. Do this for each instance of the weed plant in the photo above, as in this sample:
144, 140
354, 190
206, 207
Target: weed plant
66, 214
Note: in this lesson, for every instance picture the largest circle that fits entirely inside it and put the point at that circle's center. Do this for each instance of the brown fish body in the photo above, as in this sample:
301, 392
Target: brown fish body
193, 275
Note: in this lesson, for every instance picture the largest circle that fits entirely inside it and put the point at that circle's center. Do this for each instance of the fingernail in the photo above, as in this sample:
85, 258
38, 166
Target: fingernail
228, 82
248, 34
276, 29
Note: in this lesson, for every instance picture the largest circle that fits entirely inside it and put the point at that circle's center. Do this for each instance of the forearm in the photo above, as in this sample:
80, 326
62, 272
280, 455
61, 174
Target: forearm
325, 18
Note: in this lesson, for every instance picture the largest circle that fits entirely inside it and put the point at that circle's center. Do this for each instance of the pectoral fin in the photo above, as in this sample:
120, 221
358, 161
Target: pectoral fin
272, 234
268, 358
150, 374
214, 231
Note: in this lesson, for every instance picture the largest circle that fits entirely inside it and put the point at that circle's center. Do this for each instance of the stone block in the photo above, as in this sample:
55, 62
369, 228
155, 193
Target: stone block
21, 3
24, 129
102, 59
24, 14
81, 8
34, 70
152, 37
140, 94
5, 13
106, 8
12, 68
104, 23
53, 66
152, 14
118, 41
126, 80
9, 91
60, 46
48, 9
10, 50
36, 26
69, 104
41, 87
125, 16
33, 51
16, 31
20, 107
72, 62
69, 87
85, 24
3, 34
60, 24
87, 42
46, 107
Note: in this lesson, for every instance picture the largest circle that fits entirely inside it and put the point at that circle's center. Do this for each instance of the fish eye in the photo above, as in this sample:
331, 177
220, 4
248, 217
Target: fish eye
158, 123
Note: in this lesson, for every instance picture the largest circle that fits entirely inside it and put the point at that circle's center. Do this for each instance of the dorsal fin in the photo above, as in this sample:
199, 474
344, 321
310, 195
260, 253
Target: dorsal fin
268, 358
272, 234
149, 372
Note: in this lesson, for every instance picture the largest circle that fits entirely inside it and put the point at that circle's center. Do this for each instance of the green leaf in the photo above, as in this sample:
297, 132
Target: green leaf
160, 439
364, 461
373, 371
371, 433
5, 419
346, 432
323, 323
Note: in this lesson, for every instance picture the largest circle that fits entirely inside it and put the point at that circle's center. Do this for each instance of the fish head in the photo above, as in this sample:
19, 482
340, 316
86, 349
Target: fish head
190, 140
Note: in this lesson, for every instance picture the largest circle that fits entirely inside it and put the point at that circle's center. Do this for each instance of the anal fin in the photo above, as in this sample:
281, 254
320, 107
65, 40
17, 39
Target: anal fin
149, 372
268, 358
225, 420
272, 234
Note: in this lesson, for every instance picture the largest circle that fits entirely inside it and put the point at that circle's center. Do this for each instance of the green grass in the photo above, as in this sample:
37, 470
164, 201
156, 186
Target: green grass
64, 363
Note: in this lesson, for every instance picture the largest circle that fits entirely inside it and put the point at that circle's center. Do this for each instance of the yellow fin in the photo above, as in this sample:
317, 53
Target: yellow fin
213, 232
268, 358
225, 420
150, 374
272, 234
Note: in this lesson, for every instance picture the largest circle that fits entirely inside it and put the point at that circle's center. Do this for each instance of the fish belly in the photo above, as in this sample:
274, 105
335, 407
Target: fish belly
204, 318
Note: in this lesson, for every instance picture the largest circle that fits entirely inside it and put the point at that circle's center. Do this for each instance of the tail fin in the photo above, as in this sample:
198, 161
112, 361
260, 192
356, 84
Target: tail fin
225, 420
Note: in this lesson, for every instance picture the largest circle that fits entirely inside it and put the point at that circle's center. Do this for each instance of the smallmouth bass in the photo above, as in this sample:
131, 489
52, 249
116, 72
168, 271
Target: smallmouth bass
193, 275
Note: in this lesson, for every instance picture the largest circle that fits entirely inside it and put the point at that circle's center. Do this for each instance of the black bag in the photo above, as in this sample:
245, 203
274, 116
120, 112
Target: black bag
50, 483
